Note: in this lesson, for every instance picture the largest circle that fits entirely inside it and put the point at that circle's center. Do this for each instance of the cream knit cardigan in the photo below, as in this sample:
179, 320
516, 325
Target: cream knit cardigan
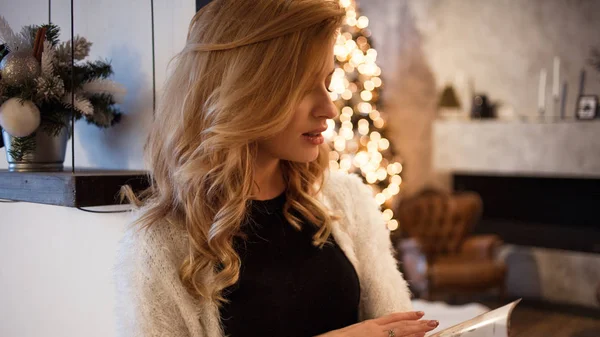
151, 300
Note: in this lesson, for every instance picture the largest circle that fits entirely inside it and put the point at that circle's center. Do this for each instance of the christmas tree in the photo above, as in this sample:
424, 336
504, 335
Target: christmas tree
357, 136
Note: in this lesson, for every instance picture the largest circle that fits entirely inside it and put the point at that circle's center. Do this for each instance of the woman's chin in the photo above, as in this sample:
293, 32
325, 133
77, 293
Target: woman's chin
306, 157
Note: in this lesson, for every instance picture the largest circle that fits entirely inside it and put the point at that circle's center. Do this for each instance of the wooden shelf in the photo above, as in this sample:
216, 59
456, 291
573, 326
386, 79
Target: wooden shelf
84, 188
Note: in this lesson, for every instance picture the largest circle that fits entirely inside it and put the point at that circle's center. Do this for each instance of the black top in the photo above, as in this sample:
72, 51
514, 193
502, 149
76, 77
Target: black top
287, 286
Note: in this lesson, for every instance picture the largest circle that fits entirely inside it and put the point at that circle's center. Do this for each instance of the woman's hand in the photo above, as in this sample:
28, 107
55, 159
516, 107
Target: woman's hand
401, 324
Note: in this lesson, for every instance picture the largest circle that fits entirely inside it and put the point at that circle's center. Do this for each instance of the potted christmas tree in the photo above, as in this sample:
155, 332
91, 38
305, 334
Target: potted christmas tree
42, 83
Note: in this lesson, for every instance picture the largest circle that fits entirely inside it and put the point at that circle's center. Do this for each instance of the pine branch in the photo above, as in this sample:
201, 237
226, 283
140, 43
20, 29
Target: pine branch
52, 33
26, 90
28, 33
117, 116
81, 104
105, 86
53, 124
49, 89
7, 36
83, 73
95, 70
82, 49
105, 118
12, 41
48, 60
22, 146
54, 118
105, 114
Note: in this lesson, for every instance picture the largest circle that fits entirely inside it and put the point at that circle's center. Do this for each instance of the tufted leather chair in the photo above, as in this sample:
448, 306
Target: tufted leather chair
437, 252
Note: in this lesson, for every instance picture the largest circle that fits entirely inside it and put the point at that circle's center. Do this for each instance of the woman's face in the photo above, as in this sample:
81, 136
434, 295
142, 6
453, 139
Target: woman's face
300, 140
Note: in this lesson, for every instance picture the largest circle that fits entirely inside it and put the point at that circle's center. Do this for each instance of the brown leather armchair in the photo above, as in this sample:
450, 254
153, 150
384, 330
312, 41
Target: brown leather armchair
439, 256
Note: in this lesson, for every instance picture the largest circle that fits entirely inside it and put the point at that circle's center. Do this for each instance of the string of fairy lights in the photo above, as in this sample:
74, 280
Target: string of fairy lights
356, 135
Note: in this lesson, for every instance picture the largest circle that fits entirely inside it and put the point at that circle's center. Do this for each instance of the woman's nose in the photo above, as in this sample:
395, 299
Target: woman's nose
327, 110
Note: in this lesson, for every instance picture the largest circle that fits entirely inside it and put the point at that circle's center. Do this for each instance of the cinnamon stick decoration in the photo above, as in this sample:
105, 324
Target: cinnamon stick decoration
38, 45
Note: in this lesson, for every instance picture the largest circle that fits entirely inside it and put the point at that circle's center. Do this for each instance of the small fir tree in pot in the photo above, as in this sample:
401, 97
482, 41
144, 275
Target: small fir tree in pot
42, 83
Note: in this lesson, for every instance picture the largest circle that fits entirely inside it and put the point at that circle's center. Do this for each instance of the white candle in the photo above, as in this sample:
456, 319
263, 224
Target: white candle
542, 91
556, 78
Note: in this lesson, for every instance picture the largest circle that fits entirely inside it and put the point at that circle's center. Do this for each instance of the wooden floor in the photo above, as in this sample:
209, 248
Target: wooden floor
536, 319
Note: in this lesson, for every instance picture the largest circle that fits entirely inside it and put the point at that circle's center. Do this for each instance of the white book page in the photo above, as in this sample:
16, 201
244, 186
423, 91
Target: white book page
495, 323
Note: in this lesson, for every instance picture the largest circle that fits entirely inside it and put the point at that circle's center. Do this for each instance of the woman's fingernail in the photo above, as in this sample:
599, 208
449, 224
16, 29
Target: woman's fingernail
420, 313
433, 323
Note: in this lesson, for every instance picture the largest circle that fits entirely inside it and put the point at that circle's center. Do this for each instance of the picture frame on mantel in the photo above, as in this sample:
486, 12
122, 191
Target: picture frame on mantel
587, 107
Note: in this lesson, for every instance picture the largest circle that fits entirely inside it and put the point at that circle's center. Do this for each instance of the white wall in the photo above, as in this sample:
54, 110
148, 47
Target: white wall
55, 278
55, 262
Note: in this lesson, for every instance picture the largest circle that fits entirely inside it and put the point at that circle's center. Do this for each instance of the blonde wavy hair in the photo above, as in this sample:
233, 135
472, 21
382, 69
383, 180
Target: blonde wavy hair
245, 67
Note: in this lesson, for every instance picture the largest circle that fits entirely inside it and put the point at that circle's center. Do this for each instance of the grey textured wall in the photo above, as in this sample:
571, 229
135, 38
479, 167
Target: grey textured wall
499, 46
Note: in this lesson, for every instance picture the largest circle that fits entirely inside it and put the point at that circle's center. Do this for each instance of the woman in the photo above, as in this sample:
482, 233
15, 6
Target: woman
244, 232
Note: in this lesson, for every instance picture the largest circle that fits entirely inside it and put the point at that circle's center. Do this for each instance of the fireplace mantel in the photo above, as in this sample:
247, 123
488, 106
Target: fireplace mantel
558, 149
540, 182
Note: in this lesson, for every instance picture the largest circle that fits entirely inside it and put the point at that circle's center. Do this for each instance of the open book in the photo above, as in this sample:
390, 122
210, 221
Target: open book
495, 323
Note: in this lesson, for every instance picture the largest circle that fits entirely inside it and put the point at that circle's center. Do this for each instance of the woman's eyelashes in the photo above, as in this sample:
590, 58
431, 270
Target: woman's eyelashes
326, 84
